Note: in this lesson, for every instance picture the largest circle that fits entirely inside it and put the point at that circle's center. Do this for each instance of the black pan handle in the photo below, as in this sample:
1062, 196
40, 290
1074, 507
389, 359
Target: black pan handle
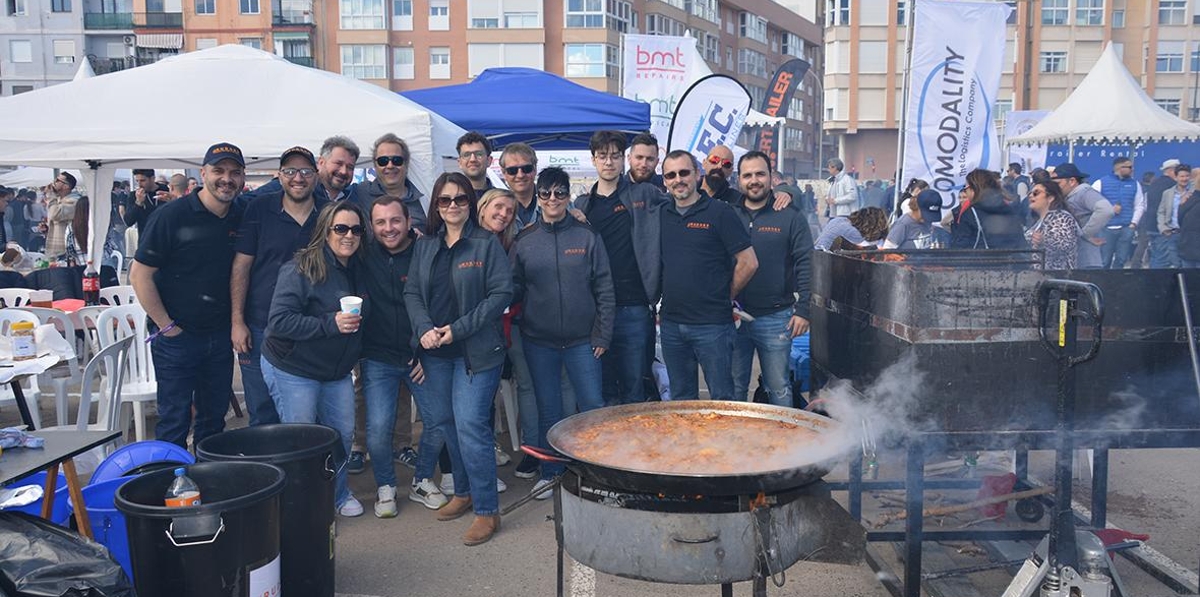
1066, 290
696, 540
543, 454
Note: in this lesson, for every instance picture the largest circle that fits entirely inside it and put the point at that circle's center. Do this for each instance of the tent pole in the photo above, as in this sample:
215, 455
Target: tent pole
621, 67
903, 129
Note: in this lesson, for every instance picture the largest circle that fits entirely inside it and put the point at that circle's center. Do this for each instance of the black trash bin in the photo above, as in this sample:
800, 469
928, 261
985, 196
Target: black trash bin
226, 547
307, 453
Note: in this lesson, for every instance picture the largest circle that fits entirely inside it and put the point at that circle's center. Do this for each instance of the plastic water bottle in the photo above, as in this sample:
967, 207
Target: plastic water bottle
183, 491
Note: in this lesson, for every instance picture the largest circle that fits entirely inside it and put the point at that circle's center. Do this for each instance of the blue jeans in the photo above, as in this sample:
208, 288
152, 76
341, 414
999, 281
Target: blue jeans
546, 365
527, 406
1185, 263
710, 346
381, 391
258, 398
625, 362
1118, 243
329, 403
1164, 251
769, 335
460, 403
194, 369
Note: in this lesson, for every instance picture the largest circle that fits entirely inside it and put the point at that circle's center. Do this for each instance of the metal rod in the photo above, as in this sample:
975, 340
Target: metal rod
856, 485
1021, 466
913, 527
1062, 550
558, 538
727, 590
1187, 318
1099, 488
909, 11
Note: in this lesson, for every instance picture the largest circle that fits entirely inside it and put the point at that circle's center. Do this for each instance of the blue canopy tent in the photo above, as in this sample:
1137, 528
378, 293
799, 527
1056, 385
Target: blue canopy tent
535, 107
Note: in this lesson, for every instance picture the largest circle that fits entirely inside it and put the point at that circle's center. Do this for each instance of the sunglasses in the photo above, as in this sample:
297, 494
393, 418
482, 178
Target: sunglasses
559, 193
304, 172
343, 230
525, 169
395, 160
717, 161
680, 173
459, 200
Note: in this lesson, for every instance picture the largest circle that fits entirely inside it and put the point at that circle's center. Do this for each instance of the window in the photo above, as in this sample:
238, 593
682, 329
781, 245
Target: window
60, 5
439, 63
705, 9
1170, 105
753, 27
493, 23
17, 8
1089, 12
587, 14
1012, 14
64, 51
361, 14
872, 57
522, 20
439, 15
591, 60
1000, 112
403, 60
364, 62
712, 48
485, 56
19, 89
1172, 12
251, 42
796, 109
620, 16
289, 12
752, 63
402, 15
1052, 62
1055, 12
1196, 58
1170, 57
206, 7
20, 50
728, 58
792, 46
1118, 19
757, 94
249, 7
901, 14
837, 13
204, 43
660, 25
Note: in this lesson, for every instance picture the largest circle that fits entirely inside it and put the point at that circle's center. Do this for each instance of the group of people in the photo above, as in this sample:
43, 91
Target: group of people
1110, 223
566, 290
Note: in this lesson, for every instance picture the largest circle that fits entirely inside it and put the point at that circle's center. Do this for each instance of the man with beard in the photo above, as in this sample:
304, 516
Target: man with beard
274, 227
474, 159
60, 212
777, 296
718, 168
625, 215
706, 262
335, 173
643, 160
518, 162
391, 156
181, 277
145, 199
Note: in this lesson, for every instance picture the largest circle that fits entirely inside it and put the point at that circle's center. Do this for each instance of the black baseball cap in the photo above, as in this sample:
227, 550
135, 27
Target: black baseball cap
224, 151
1068, 170
300, 151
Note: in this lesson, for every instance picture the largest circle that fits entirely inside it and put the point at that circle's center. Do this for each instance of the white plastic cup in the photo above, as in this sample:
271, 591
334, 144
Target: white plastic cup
352, 305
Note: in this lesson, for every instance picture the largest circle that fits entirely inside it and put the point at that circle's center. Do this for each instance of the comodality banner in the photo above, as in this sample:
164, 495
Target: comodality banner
710, 113
776, 102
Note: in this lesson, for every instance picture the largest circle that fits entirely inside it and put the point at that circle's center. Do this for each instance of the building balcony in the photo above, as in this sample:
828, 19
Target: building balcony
103, 66
301, 60
107, 20
158, 20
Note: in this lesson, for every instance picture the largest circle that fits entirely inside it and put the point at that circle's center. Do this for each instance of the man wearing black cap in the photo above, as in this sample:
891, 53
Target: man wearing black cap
274, 227
181, 277
1091, 210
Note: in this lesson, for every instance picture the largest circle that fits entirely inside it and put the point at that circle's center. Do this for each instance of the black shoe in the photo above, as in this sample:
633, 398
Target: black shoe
357, 463
528, 468
407, 457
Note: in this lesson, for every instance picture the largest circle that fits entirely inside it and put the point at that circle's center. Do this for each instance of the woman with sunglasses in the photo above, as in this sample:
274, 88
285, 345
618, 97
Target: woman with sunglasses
561, 272
1056, 232
459, 284
311, 345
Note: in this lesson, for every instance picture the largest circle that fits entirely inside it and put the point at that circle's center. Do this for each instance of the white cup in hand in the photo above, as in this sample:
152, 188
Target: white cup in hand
352, 305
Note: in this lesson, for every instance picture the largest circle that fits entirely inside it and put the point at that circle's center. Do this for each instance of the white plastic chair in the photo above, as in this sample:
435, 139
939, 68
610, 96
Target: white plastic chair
141, 385
506, 396
116, 296
120, 262
30, 387
103, 375
63, 323
85, 320
14, 297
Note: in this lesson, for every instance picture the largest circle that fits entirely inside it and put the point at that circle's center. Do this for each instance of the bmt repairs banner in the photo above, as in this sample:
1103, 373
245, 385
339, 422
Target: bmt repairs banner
957, 58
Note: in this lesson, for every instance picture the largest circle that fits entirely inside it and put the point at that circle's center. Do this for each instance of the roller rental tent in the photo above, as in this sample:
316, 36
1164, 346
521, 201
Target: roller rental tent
166, 114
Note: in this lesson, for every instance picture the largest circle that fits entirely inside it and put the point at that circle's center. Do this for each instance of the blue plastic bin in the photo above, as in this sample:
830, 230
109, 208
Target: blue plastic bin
108, 524
61, 511
799, 362
139, 457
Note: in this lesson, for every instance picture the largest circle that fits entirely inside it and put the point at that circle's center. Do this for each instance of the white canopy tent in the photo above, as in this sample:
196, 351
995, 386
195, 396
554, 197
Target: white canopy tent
253, 99
23, 178
1109, 106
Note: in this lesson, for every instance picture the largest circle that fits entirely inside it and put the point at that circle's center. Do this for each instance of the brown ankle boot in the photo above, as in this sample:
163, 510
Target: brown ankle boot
482, 529
455, 509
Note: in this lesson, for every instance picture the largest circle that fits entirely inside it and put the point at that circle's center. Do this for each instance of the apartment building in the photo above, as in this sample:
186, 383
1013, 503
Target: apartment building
1051, 45
41, 43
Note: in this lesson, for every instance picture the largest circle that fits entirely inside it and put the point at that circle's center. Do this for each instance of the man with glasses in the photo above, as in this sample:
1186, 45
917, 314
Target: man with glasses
335, 173
181, 277
706, 261
718, 170
1125, 194
518, 162
274, 227
474, 159
391, 157
625, 214
60, 212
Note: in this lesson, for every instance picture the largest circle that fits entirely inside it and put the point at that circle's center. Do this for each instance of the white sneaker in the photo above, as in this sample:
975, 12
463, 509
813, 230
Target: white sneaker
549, 493
502, 457
350, 508
385, 502
427, 494
501, 486
447, 484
